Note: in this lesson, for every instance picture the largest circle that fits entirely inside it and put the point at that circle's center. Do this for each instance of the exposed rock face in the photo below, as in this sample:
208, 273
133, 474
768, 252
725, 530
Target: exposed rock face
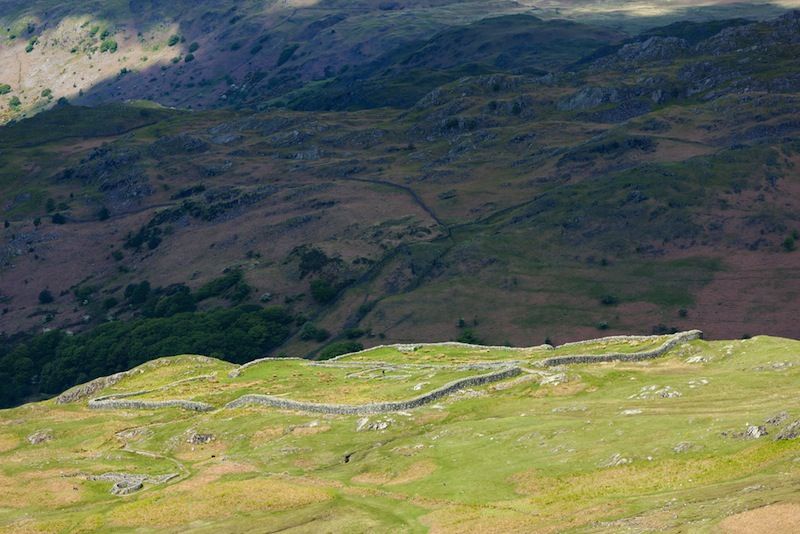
782, 31
226, 138
708, 77
653, 49
117, 172
751, 432
21, 242
84, 390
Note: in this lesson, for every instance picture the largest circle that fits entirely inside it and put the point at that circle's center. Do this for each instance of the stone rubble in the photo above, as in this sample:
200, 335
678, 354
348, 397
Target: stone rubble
127, 483
40, 436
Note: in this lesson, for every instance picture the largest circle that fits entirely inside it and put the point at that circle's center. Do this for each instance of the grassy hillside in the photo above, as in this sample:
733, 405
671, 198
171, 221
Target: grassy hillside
648, 187
201, 54
702, 438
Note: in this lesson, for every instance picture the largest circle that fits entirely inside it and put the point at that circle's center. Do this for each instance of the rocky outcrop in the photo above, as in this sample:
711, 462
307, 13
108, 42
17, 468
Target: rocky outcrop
755, 431
590, 98
777, 419
637, 54
654, 49
792, 431
656, 392
40, 436
612, 104
199, 439
781, 32
90, 388
117, 172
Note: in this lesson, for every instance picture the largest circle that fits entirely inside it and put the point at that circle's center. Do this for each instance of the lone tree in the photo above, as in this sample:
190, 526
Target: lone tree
45, 297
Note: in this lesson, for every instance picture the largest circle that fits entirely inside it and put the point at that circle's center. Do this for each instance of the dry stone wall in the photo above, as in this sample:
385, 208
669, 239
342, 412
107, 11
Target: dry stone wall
129, 404
502, 370
378, 407
677, 339
84, 390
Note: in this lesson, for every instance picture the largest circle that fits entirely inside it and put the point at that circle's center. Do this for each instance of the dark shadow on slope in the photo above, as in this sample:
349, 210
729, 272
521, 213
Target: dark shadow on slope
66, 121
513, 44
313, 59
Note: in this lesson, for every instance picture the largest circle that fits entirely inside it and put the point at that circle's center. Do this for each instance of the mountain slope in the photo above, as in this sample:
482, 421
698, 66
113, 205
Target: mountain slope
201, 54
518, 44
208, 54
640, 193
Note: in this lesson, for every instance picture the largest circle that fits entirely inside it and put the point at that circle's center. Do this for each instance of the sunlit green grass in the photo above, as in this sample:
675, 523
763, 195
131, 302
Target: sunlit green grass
512, 456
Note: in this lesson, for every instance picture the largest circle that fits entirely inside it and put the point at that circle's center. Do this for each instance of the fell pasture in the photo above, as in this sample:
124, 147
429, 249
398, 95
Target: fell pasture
701, 437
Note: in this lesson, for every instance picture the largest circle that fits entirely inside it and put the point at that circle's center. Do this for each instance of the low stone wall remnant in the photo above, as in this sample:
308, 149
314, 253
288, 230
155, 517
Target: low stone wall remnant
378, 407
127, 404
502, 370
676, 339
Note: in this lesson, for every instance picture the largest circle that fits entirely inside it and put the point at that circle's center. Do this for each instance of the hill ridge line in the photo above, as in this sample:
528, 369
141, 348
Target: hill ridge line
508, 369
411, 346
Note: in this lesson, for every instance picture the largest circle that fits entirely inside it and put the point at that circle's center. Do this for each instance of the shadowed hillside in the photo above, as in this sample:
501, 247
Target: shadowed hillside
200, 55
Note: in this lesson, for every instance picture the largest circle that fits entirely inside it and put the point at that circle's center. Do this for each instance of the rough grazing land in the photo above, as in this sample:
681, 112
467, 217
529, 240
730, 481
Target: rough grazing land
639, 187
671, 433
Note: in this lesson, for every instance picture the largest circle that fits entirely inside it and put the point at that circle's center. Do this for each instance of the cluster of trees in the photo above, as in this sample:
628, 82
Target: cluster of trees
178, 298
168, 322
48, 363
